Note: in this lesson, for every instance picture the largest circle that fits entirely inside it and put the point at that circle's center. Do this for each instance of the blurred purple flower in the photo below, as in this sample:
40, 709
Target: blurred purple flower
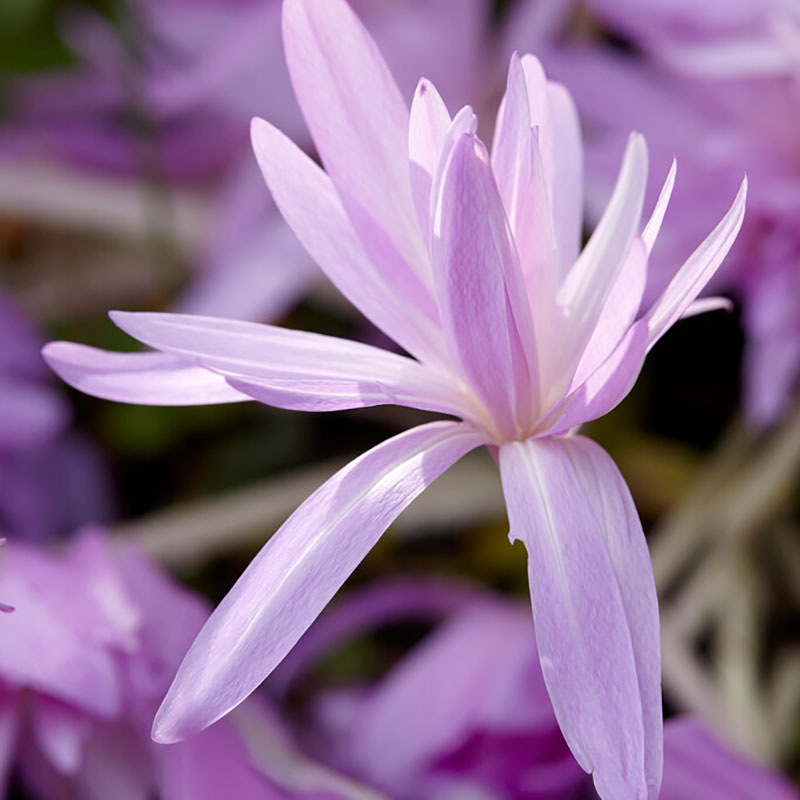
86, 657
464, 714
50, 478
705, 92
196, 76
472, 265
716, 38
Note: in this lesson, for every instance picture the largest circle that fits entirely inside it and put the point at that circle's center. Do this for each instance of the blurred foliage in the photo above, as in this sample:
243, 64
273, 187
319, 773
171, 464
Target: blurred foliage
31, 34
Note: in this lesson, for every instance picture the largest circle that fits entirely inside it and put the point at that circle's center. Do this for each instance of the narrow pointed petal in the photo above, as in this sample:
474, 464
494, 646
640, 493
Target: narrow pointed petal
618, 314
706, 304
310, 205
698, 269
519, 170
153, 379
653, 226
585, 289
609, 384
359, 123
299, 570
296, 369
482, 300
427, 132
554, 113
594, 607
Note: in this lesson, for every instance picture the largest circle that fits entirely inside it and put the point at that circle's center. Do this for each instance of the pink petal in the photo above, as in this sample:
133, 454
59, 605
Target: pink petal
554, 113
298, 571
653, 226
588, 284
143, 378
705, 304
482, 300
698, 269
609, 384
618, 314
359, 123
310, 205
519, 170
296, 369
427, 131
594, 607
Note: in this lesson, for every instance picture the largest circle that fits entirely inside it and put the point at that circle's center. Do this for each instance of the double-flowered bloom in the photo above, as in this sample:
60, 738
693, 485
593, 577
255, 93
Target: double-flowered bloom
471, 262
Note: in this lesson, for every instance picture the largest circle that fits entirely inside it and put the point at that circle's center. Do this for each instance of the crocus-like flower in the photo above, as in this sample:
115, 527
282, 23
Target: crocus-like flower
470, 263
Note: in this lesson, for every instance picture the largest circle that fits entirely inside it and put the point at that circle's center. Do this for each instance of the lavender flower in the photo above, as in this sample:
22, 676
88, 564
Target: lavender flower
86, 657
470, 263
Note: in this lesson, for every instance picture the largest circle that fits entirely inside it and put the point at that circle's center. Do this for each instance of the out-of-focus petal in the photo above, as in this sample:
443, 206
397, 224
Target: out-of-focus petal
594, 607
156, 379
359, 123
260, 277
696, 766
39, 650
298, 571
213, 764
296, 369
60, 732
310, 205
698, 269
482, 300
450, 686
29, 413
